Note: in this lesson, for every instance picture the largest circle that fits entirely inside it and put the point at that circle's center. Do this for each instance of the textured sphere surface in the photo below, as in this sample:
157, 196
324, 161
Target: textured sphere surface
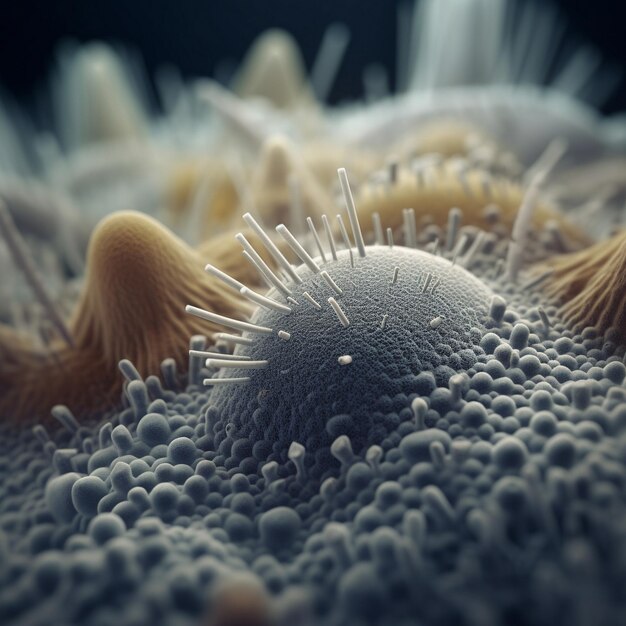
304, 386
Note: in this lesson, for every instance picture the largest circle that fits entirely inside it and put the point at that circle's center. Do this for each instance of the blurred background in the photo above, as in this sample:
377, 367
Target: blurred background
208, 37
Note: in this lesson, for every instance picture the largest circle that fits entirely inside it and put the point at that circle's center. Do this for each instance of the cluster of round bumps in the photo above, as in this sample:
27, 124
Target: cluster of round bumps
505, 478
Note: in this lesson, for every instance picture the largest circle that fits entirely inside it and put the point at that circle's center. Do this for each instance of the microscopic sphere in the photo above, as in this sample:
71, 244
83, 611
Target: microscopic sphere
421, 318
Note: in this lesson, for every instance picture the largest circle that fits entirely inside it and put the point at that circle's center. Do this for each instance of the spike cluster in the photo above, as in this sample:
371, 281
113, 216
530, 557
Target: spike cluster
336, 310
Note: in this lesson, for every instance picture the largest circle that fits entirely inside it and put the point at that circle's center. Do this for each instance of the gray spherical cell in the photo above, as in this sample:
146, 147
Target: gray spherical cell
379, 317
544, 423
473, 415
511, 494
182, 450
106, 526
361, 591
153, 429
238, 526
530, 365
278, 527
416, 446
615, 372
561, 450
164, 497
58, 496
510, 453
48, 571
87, 493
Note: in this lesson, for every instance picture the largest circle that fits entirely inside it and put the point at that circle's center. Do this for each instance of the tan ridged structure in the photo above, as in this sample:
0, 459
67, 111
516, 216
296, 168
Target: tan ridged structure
273, 70
139, 278
442, 187
445, 136
591, 286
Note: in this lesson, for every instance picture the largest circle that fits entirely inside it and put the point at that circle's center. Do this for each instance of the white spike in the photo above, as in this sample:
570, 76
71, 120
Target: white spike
318, 243
378, 229
429, 278
266, 276
284, 335
224, 277
244, 341
213, 382
474, 249
328, 59
345, 322
459, 246
410, 235
263, 301
218, 355
279, 257
352, 214
390, 237
454, 220
394, 280
253, 256
436, 322
309, 297
227, 321
331, 283
344, 233
383, 322
329, 236
295, 194
295, 245
519, 234
244, 365
539, 171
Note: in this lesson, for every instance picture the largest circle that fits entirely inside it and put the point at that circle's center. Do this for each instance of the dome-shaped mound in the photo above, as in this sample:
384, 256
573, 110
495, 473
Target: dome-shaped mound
395, 314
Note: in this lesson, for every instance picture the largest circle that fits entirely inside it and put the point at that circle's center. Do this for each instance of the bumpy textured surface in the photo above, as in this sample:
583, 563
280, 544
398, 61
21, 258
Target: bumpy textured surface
306, 395
500, 503
471, 471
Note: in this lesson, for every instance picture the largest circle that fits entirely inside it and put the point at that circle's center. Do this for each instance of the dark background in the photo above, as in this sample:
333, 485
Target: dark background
196, 35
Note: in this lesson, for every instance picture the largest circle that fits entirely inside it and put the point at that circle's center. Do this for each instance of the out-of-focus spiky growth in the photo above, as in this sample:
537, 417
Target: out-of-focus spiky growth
286, 182
433, 185
139, 276
95, 100
274, 70
283, 187
591, 285
448, 137
206, 185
